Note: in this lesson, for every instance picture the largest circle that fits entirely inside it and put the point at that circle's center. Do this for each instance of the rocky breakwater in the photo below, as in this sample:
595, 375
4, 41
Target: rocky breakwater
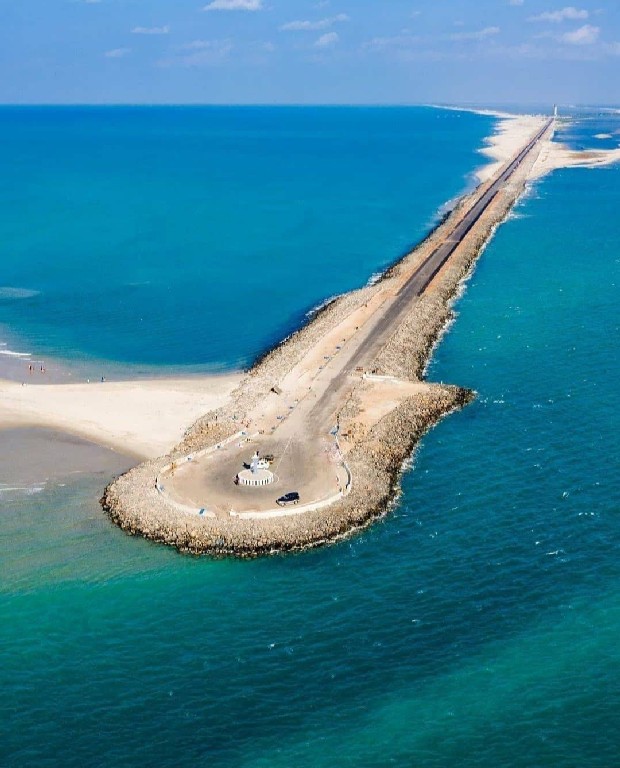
375, 454
376, 461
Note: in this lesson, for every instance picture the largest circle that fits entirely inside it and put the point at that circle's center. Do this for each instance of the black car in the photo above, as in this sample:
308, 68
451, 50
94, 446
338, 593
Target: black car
288, 498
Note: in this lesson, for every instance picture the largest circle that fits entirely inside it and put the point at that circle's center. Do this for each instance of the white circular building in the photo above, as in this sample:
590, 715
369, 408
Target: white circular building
257, 475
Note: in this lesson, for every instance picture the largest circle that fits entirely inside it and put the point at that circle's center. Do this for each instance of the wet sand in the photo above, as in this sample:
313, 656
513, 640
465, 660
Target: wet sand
33, 457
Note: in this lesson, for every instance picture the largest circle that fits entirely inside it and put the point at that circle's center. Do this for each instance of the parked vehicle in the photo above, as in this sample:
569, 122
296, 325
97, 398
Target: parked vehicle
288, 498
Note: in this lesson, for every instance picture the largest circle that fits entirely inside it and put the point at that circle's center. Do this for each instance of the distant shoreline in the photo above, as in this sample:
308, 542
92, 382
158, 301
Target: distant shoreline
501, 114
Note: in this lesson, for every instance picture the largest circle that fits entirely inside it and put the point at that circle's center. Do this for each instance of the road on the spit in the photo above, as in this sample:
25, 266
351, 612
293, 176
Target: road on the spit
366, 350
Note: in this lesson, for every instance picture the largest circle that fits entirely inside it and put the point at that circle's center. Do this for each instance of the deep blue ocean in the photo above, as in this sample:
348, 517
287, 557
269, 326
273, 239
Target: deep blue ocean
478, 624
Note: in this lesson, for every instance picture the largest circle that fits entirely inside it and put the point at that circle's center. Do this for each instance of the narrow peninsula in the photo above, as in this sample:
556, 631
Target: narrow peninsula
311, 443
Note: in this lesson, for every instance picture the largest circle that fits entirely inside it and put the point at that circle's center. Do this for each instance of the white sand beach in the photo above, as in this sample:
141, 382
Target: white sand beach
514, 130
554, 155
143, 417
512, 133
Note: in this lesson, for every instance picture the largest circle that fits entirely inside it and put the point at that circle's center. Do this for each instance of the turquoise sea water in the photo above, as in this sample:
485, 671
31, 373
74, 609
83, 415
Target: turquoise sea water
477, 625
201, 236
591, 129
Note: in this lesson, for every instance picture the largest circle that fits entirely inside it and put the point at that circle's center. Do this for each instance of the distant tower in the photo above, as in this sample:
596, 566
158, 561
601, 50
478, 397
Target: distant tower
555, 110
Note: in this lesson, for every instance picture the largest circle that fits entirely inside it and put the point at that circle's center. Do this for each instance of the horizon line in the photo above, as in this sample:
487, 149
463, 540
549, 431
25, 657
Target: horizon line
434, 105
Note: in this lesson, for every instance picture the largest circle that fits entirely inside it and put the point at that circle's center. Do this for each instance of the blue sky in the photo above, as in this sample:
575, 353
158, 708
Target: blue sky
309, 51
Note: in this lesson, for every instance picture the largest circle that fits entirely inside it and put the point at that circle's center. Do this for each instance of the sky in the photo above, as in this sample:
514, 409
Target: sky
482, 52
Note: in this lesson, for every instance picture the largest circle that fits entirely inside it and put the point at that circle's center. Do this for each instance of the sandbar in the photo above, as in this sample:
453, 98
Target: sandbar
555, 155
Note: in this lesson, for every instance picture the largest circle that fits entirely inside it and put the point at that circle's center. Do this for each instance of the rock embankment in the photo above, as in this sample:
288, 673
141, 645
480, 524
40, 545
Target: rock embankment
134, 504
375, 456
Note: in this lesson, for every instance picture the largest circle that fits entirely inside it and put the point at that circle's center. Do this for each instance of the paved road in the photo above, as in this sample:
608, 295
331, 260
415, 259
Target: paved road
366, 350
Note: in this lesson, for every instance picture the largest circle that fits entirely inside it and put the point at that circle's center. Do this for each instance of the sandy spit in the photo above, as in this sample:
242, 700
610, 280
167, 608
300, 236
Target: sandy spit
555, 155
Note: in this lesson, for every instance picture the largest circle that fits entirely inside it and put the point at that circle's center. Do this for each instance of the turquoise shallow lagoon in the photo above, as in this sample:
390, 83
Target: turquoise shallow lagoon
477, 625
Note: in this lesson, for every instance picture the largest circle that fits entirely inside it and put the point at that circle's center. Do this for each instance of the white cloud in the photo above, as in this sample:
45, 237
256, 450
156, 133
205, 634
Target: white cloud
234, 5
328, 40
197, 45
480, 34
300, 26
515, 2
201, 53
117, 53
396, 41
151, 30
586, 35
570, 13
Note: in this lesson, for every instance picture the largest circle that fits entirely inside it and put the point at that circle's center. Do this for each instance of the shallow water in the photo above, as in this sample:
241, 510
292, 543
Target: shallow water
477, 625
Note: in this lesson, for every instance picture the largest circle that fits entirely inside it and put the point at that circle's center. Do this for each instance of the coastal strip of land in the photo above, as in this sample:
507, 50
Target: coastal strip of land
340, 404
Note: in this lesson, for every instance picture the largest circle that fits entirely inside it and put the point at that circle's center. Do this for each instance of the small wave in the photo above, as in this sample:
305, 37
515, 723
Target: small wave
26, 490
8, 292
11, 353
315, 310
374, 278
515, 216
445, 209
459, 293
